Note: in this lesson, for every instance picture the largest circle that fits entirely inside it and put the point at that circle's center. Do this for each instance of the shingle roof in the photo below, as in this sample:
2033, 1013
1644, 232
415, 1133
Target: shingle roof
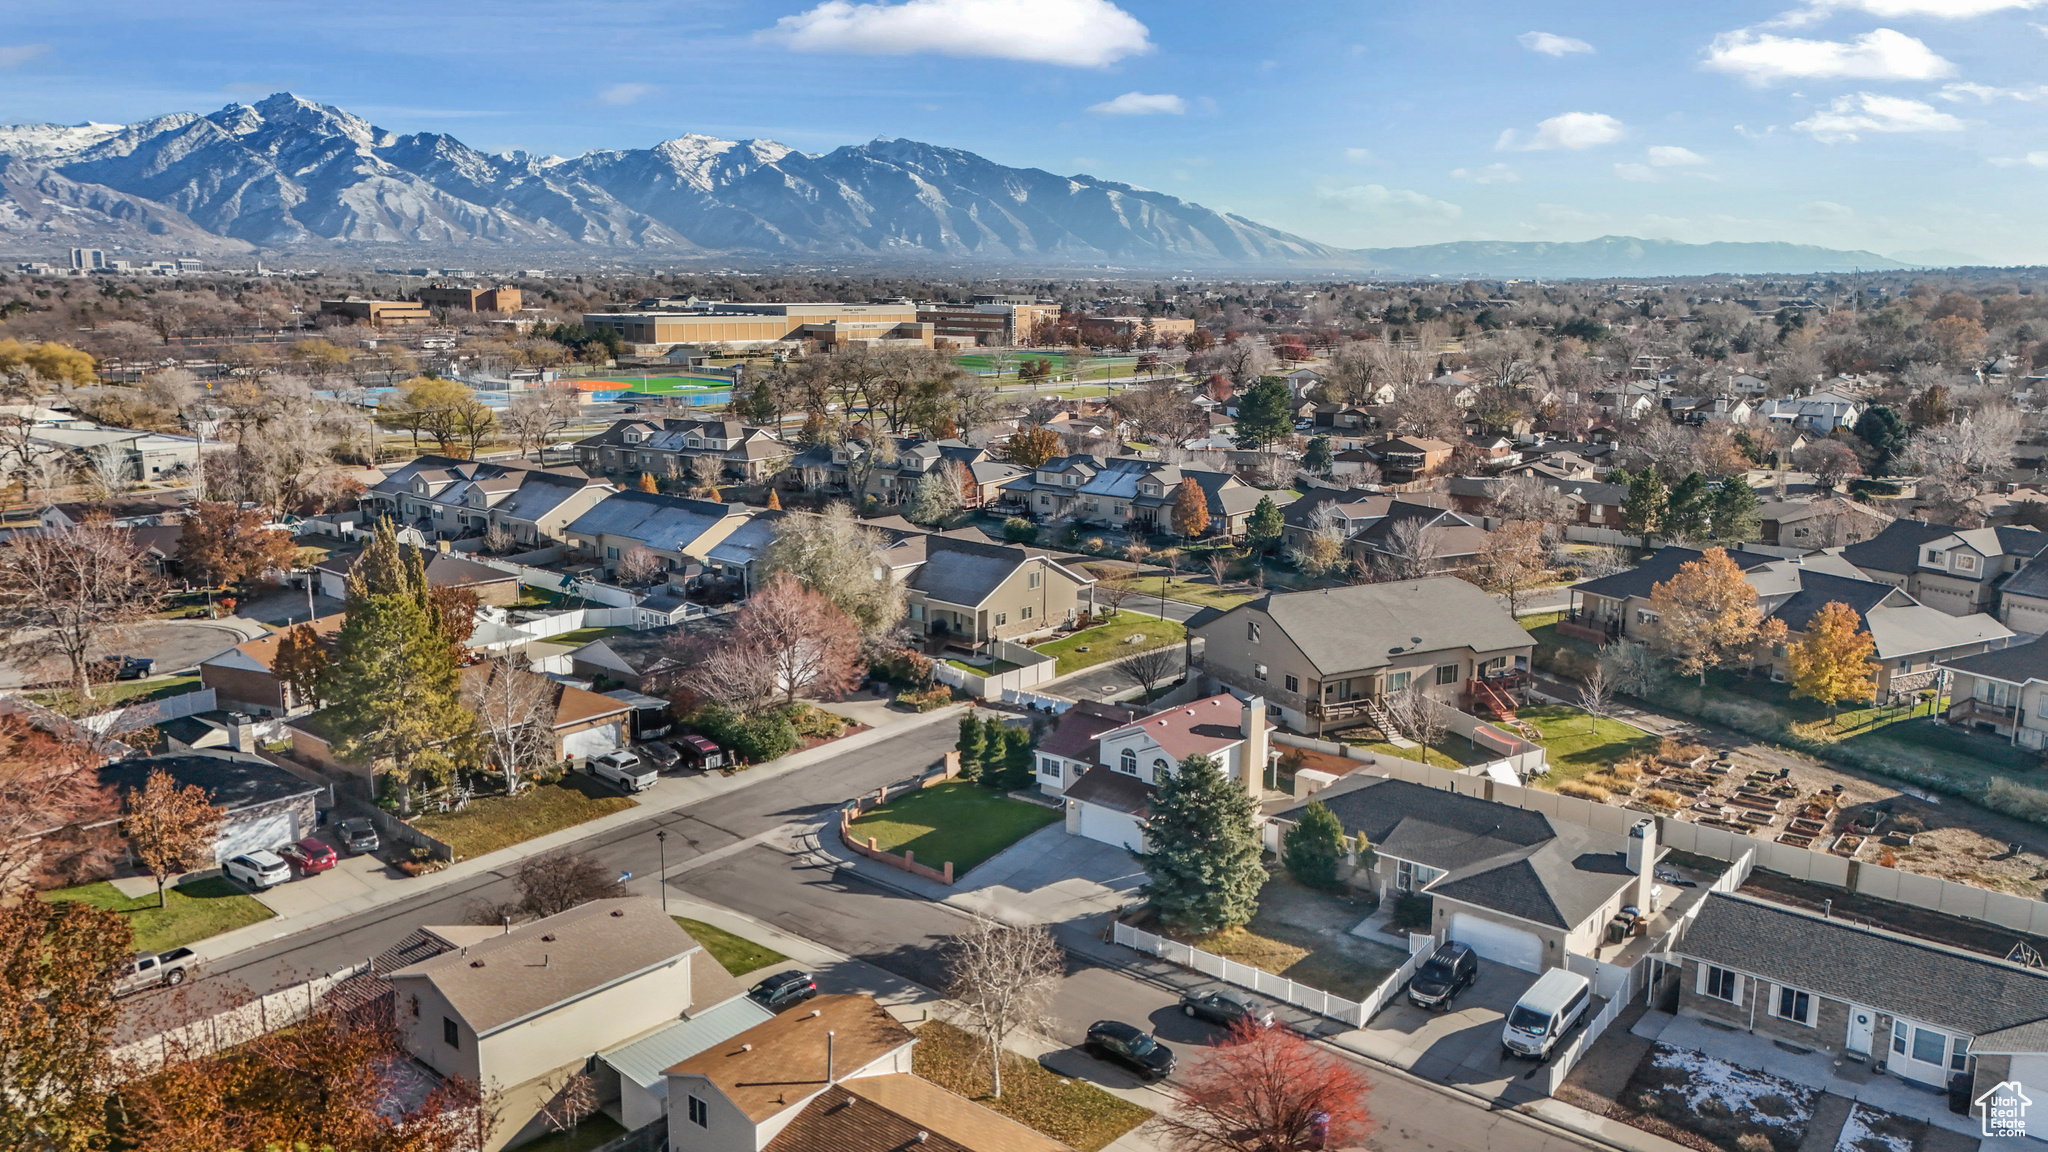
961, 571
1074, 736
2017, 664
784, 1059
1638, 581
232, 780
1112, 789
1897, 974
1909, 630
1818, 589
1359, 626
515, 976
1203, 727
664, 523
2031, 580
1896, 550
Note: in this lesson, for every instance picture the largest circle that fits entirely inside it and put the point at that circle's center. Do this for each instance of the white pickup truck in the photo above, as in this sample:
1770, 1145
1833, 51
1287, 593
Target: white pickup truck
149, 969
626, 770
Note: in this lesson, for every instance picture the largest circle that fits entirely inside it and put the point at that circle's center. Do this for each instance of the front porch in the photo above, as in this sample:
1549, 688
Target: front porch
1984, 716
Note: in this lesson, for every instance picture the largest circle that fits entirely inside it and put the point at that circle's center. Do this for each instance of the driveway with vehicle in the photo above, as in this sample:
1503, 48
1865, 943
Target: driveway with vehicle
1461, 1046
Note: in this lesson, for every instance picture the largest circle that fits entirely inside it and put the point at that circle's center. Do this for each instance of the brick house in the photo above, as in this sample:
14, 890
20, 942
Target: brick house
242, 676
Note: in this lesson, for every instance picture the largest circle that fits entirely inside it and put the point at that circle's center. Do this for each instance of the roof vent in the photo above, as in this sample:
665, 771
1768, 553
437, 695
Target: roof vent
549, 938
476, 963
618, 912
817, 1012
746, 1047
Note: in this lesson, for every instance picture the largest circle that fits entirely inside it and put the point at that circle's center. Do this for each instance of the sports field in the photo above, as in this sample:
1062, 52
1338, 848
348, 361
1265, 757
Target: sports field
655, 385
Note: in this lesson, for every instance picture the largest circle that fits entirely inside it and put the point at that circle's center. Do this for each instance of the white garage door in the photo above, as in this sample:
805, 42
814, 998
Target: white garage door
1498, 942
1111, 826
2031, 1071
273, 829
591, 742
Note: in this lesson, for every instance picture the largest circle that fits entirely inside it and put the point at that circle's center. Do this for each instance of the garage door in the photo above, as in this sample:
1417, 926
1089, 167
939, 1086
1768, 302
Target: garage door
1498, 942
1111, 827
591, 742
272, 829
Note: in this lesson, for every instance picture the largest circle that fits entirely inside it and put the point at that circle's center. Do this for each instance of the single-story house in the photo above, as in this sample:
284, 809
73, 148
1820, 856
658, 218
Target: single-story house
242, 677
267, 807
444, 570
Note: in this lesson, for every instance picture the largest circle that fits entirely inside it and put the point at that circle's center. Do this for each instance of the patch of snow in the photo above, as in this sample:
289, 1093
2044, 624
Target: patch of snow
53, 139
1739, 1088
1858, 1135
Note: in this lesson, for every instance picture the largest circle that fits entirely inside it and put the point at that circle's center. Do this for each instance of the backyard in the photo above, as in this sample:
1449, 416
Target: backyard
1575, 744
1452, 752
1092, 646
1073, 1112
735, 954
1201, 590
192, 911
493, 822
958, 821
115, 694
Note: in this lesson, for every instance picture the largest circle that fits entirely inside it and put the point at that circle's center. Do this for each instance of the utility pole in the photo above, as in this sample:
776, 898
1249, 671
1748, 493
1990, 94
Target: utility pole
661, 845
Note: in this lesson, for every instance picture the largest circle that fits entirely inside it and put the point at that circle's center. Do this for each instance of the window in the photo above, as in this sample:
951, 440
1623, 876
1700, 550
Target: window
1002, 618
1160, 767
1117, 509
1294, 683
917, 611
1038, 578
1929, 1045
611, 553
1397, 681
1047, 766
1959, 1056
700, 1113
451, 1034
1967, 563
1447, 673
1025, 612
1933, 556
1128, 762
1645, 616
1259, 671
1043, 499
1795, 1006
1722, 984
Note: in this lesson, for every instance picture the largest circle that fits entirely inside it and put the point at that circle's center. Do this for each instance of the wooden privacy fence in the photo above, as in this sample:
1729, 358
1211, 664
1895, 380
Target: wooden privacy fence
865, 845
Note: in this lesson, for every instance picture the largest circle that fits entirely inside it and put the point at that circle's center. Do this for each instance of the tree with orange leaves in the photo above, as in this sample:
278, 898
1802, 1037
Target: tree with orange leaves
1707, 614
1269, 1090
1832, 661
50, 800
1033, 446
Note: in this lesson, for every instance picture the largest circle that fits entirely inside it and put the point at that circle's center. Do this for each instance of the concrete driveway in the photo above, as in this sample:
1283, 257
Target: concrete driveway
1461, 1046
1050, 877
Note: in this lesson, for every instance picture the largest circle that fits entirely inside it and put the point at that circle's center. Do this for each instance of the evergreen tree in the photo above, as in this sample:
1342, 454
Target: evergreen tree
1318, 459
394, 686
757, 405
1265, 413
1015, 772
1314, 847
972, 745
1204, 863
1643, 512
1885, 432
1688, 509
1262, 528
1735, 510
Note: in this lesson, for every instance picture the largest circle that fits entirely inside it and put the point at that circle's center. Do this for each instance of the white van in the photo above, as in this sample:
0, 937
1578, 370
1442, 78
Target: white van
1545, 1012
625, 769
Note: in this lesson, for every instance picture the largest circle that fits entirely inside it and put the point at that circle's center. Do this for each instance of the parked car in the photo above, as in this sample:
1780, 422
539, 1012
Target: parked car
1450, 971
783, 989
308, 856
135, 668
1544, 1013
1222, 1008
700, 753
1131, 1046
358, 835
259, 869
149, 969
624, 769
662, 755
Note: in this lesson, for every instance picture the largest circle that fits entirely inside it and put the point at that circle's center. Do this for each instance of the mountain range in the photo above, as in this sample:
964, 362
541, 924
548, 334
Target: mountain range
287, 174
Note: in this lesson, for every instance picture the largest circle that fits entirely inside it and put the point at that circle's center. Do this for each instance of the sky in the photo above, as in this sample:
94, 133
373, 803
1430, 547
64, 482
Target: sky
1911, 128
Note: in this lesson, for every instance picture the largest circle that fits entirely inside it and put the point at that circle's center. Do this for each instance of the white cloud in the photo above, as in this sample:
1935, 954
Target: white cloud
1986, 94
15, 55
1141, 104
1573, 131
1906, 9
1847, 116
1358, 155
1551, 44
2030, 160
1073, 33
1672, 156
1761, 58
1491, 174
1382, 202
1641, 173
627, 93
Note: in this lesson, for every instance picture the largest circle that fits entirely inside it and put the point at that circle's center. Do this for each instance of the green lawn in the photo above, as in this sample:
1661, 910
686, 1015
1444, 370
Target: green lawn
1073, 1112
115, 694
585, 635
1202, 592
1454, 753
736, 955
1576, 744
992, 668
192, 911
1108, 641
958, 821
593, 1131
494, 822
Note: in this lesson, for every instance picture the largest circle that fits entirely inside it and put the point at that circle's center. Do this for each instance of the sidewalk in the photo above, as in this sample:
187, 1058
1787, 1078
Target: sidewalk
669, 794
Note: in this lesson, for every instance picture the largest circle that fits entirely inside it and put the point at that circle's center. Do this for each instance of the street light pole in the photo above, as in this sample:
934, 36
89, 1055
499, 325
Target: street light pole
661, 844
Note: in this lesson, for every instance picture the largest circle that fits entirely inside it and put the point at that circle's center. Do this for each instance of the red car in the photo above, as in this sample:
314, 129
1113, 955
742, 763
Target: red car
308, 856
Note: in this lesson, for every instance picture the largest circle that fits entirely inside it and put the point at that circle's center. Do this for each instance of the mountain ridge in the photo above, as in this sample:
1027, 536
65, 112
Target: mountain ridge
287, 173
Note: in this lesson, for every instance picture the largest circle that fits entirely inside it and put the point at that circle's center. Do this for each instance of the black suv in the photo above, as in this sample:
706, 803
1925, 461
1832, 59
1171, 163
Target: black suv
1441, 977
1127, 1045
1219, 1008
783, 989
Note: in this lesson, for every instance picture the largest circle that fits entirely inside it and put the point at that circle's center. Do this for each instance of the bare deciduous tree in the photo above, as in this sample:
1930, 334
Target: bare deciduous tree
1149, 668
639, 565
1595, 695
63, 590
1003, 976
1415, 711
515, 711
1413, 550
560, 881
570, 1098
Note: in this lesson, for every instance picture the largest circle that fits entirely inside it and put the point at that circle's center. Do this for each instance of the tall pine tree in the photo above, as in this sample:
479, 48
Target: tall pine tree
973, 746
1204, 863
1735, 510
394, 685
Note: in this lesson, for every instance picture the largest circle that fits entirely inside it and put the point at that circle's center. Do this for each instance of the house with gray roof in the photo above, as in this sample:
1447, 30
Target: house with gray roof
2000, 692
968, 594
1913, 1008
2023, 600
670, 446
266, 806
1327, 658
680, 530
1957, 570
446, 498
1131, 492
1522, 888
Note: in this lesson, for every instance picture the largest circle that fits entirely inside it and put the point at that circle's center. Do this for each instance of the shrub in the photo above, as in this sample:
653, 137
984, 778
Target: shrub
1412, 912
936, 696
1092, 545
1754, 1142
1313, 847
1625, 770
1909, 823
1584, 790
808, 721
905, 668
1018, 530
752, 739
1663, 798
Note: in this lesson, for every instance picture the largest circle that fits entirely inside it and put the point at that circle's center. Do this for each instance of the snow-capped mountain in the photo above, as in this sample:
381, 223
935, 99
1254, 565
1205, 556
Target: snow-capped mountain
289, 173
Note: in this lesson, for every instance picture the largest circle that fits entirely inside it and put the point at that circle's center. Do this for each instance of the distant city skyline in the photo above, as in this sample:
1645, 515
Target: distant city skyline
1912, 128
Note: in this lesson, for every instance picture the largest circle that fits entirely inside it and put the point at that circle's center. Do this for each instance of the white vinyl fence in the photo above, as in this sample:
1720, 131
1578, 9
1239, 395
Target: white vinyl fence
1352, 1012
134, 716
229, 1027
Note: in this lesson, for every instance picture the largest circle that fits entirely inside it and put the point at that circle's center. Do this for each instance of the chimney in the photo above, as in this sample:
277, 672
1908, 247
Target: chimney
1642, 859
828, 1056
241, 732
1252, 757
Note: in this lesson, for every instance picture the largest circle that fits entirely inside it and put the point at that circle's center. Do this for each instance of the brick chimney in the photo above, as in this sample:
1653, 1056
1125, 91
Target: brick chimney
1252, 757
1642, 860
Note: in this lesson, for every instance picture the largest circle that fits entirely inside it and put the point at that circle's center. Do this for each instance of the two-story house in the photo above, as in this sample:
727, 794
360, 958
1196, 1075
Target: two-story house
1111, 800
831, 469
1327, 658
1819, 413
1406, 459
1130, 493
446, 498
1819, 523
1957, 570
1069, 749
2001, 692
629, 447
968, 594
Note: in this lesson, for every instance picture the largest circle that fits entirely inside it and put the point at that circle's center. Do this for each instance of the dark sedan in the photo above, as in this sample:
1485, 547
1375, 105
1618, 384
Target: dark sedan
1224, 1009
1130, 1046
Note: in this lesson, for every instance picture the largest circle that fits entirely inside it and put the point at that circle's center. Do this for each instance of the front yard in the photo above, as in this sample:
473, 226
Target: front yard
1695, 1099
1200, 590
1110, 641
1575, 744
1073, 1112
735, 954
1305, 935
493, 822
192, 911
957, 820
